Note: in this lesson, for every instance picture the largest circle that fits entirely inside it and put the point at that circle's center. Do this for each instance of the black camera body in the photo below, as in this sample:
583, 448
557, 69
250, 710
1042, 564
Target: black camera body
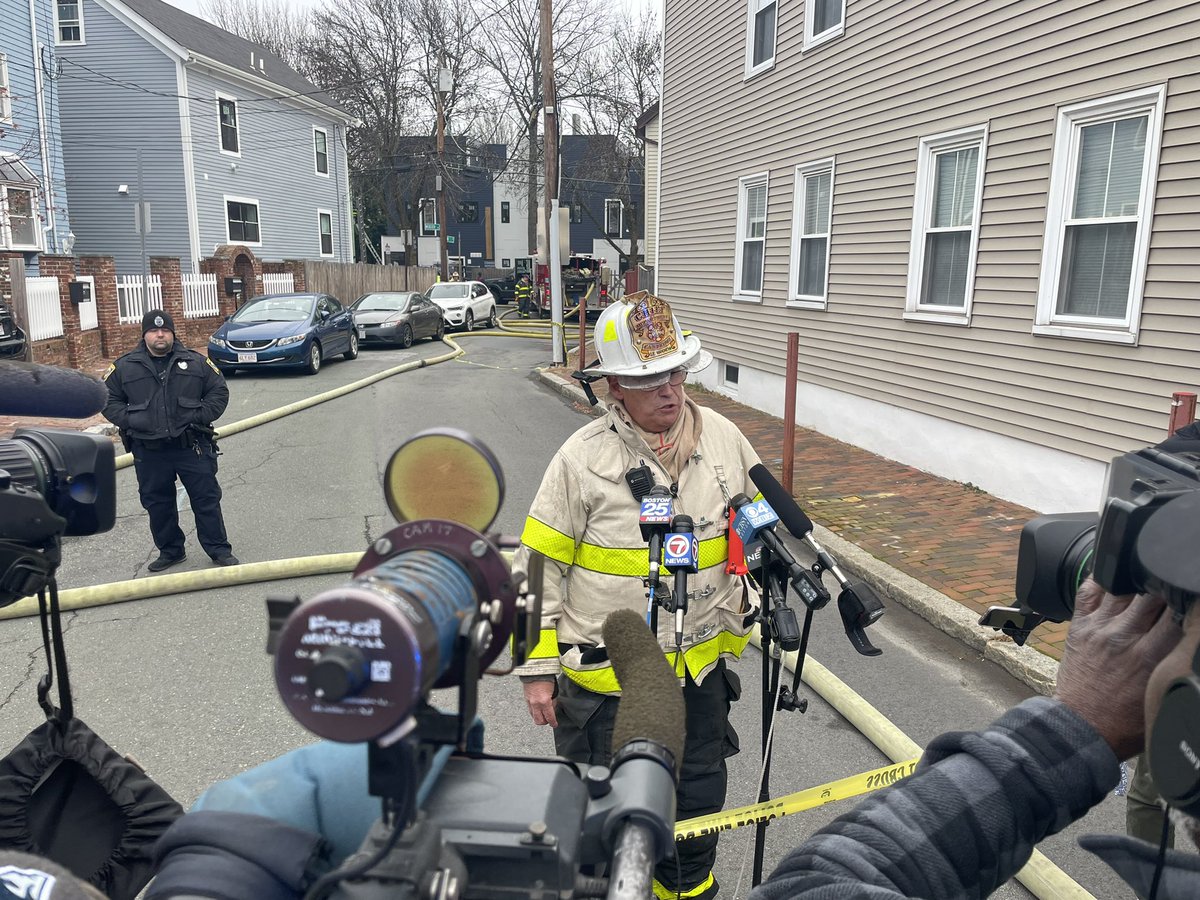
1142, 541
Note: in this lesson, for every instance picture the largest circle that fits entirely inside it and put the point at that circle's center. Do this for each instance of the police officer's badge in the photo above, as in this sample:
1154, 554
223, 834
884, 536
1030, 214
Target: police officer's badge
158, 322
183, 364
651, 327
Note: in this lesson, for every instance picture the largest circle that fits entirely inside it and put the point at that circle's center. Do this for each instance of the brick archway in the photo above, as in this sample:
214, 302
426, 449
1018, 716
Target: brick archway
234, 260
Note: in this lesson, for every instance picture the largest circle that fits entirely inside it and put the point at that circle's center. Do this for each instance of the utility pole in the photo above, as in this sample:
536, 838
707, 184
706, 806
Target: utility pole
550, 205
443, 85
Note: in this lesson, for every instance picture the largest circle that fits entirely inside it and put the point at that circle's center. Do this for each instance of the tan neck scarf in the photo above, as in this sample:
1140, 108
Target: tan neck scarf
677, 443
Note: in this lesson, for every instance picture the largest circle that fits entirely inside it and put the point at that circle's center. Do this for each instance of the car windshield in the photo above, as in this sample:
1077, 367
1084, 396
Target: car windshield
275, 309
448, 291
382, 302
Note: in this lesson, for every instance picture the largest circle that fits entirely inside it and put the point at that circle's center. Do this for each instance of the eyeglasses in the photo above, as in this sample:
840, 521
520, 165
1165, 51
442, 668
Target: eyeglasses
675, 378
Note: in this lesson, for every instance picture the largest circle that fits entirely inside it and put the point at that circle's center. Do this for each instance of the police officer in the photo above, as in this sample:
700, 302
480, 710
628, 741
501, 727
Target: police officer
523, 291
164, 397
584, 520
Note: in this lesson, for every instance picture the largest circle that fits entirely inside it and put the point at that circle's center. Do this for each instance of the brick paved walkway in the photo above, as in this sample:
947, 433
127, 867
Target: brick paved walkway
950, 536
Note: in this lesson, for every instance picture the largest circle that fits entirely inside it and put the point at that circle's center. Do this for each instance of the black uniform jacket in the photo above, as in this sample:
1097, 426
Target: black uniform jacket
149, 406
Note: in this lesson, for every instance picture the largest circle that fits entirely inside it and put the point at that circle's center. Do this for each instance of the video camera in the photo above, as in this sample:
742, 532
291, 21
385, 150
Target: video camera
52, 483
431, 605
1142, 541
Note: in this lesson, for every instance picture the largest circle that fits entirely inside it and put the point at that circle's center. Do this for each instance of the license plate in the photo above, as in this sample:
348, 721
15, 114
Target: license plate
247, 357
362, 330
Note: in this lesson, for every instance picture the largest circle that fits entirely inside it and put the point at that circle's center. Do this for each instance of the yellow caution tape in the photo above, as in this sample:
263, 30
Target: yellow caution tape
863, 783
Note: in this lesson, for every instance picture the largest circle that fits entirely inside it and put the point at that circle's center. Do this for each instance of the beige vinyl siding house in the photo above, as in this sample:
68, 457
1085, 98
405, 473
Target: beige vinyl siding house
982, 219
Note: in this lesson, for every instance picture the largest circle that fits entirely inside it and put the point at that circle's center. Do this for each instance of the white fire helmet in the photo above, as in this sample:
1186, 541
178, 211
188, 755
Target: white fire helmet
638, 336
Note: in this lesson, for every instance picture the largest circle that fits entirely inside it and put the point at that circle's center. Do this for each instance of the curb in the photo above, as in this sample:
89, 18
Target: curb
1036, 670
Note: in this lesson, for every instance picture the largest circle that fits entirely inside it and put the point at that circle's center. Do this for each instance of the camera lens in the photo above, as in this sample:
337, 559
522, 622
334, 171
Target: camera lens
75, 474
1055, 557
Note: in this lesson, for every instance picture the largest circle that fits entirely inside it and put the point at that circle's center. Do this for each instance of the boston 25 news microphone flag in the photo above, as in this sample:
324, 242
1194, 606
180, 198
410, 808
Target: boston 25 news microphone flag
30, 389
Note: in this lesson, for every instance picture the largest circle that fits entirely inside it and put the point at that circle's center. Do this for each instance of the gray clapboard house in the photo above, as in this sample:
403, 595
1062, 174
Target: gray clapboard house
226, 143
981, 219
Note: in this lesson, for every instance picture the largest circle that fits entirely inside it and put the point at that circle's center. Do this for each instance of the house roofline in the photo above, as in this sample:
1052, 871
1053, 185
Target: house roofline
651, 113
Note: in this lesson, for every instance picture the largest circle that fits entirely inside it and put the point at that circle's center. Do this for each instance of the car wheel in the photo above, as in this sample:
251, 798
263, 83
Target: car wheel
469, 320
406, 337
440, 332
352, 353
493, 319
313, 366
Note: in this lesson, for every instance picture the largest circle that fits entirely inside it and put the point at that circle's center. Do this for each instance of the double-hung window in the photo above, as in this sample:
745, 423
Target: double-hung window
751, 237
321, 150
760, 35
576, 212
68, 21
505, 212
18, 218
823, 19
614, 217
325, 231
241, 221
811, 232
227, 116
468, 212
429, 219
5, 92
945, 233
1098, 217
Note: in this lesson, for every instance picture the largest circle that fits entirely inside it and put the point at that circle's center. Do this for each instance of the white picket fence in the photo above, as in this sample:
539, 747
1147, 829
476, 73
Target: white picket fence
200, 296
45, 313
134, 298
282, 283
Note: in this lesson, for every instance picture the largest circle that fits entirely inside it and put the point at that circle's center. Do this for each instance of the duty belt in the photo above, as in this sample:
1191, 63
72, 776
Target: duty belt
172, 443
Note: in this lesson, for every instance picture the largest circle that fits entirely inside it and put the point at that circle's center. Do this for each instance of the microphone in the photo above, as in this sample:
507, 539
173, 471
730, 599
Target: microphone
654, 519
31, 389
649, 732
756, 522
858, 603
681, 555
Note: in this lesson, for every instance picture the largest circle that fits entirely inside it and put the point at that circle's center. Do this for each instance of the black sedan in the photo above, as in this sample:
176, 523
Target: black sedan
13, 343
397, 317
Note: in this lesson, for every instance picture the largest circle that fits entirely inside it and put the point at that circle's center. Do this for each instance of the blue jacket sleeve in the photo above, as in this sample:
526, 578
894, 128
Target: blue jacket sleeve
966, 821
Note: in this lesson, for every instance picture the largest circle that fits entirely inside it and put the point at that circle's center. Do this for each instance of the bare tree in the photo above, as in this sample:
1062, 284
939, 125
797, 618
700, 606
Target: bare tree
624, 80
509, 39
283, 28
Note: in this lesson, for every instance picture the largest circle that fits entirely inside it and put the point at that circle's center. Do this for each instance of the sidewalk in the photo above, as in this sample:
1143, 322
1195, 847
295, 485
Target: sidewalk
952, 538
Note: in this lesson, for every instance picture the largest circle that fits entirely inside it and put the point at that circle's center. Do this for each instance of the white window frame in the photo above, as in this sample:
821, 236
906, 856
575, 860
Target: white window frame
620, 217
58, 26
795, 298
6, 117
1072, 119
320, 234
753, 8
744, 183
812, 40
237, 126
253, 201
927, 153
6, 235
316, 157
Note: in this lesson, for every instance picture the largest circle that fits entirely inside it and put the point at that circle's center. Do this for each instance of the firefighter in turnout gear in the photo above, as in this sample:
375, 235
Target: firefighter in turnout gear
523, 292
585, 520
164, 398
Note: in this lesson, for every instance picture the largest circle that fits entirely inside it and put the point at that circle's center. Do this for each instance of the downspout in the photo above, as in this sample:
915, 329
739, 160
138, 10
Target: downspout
39, 88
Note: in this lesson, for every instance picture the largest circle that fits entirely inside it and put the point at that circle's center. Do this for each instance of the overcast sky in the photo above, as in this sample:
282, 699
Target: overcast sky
193, 6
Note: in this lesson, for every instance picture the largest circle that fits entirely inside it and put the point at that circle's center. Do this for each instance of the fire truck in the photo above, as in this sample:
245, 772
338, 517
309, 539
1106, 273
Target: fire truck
583, 277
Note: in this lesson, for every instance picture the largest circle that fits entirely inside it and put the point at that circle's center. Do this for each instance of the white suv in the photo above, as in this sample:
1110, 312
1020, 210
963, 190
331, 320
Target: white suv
465, 303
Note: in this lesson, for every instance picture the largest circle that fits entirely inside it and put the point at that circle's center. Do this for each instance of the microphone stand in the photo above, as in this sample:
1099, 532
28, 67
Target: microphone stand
776, 623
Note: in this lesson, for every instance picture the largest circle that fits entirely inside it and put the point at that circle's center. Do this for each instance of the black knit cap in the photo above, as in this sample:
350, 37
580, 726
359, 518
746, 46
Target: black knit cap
157, 318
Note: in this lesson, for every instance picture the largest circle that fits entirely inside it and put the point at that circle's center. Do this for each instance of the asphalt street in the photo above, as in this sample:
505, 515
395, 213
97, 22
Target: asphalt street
183, 684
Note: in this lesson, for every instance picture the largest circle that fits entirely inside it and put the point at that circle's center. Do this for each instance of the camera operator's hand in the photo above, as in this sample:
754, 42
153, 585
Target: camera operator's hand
1113, 645
540, 697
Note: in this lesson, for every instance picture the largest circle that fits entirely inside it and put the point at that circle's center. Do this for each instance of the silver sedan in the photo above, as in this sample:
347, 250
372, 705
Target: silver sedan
397, 317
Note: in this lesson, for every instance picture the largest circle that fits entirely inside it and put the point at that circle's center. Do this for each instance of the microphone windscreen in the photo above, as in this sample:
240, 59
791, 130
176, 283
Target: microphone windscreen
30, 389
651, 705
785, 506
